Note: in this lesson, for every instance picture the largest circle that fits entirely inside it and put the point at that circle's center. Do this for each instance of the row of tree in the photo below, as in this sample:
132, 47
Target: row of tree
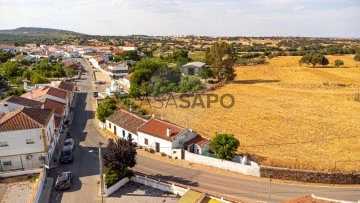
315, 58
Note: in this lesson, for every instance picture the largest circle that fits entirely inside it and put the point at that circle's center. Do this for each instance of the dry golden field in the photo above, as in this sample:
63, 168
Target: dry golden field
286, 115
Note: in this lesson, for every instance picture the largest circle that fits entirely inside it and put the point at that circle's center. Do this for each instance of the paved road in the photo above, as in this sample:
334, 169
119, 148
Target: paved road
86, 171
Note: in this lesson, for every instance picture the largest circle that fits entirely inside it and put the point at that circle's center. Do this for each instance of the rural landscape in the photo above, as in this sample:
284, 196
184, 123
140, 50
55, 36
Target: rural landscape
180, 101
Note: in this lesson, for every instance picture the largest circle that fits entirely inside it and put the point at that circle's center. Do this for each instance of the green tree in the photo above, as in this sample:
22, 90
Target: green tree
339, 62
16, 91
36, 78
314, 58
190, 83
224, 145
324, 61
70, 71
120, 154
105, 109
206, 73
10, 69
357, 57
222, 58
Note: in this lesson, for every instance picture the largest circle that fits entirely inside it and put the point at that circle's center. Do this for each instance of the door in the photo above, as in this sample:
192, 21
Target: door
115, 130
123, 133
191, 71
157, 147
129, 136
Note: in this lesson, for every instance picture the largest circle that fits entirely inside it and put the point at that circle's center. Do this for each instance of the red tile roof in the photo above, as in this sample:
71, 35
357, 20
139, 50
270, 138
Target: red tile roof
197, 140
37, 93
24, 102
128, 76
309, 199
58, 107
130, 45
158, 129
117, 51
56, 92
66, 86
99, 59
126, 120
24, 119
58, 120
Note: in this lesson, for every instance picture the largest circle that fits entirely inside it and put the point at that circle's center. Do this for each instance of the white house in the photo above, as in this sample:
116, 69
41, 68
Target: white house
192, 68
70, 88
12, 50
118, 70
97, 61
48, 92
197, 145
129, 47
16, 102
163, 136
27, 139
22, 57
125, 80
124, 124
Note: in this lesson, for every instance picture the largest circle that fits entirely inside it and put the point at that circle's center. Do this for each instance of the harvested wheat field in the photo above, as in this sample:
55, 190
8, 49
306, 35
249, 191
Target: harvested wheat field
286, 115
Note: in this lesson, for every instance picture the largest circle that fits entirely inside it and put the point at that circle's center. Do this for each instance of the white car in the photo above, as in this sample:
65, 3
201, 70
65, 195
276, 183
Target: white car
68, 144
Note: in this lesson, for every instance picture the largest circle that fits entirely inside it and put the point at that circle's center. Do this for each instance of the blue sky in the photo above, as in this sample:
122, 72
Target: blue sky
318, 18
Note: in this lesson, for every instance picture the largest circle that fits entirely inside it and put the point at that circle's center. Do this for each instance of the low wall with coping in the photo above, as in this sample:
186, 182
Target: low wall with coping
310, 176
20, 172
38, 187
112, 189
253, 169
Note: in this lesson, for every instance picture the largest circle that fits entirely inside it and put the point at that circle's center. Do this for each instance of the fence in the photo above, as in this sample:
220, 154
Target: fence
253, 169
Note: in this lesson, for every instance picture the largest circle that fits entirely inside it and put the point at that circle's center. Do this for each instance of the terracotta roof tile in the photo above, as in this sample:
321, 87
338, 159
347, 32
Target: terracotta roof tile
37, 93
58, 107
23, 119
56, 92
197, 140
126, 120
66, 86
130, 45
24, 102
58, 120
158, 129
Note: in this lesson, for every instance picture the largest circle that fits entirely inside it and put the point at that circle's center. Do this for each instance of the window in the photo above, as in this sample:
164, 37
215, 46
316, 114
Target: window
123, 133
4, 144
146, 141
110, 125
7, 163
29, 141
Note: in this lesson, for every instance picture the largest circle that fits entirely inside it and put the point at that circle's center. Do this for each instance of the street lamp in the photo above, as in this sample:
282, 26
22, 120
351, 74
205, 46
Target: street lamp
101, 173
271, 176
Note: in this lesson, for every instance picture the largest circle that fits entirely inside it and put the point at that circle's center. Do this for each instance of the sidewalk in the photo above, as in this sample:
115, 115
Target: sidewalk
47, 190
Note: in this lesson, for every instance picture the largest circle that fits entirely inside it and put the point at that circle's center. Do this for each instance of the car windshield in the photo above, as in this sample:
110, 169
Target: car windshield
66, 153
68, 143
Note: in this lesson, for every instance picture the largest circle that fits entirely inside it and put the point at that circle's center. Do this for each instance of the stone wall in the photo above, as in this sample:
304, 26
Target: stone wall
310, 176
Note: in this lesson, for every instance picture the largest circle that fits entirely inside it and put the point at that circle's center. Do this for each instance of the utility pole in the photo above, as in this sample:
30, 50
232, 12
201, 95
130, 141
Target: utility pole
101, 174
271, 176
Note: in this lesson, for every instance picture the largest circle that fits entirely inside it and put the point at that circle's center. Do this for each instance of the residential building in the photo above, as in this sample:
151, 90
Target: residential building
48, 92
163, 136
193, 68
197, 145
118, 70
16, 102
70, 88
125, 80
22, 57
71, 63
61, 110
124, 124
129, 47
12, 50
97, 61
27, 139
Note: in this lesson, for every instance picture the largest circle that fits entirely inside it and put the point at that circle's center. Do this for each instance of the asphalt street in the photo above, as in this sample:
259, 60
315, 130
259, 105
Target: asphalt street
85, 167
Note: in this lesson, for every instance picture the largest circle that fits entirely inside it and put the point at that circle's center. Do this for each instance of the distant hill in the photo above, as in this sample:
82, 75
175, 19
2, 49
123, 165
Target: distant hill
37, 30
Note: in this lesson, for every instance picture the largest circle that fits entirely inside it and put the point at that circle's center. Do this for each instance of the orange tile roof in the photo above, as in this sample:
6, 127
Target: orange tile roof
126, 120
117, 51
24, 102
308, 199
198, 139
158, 128
24, 119
130, 45
56, 92
128, 76
66, 86
58, 107
58, 120
37, 93
99, 59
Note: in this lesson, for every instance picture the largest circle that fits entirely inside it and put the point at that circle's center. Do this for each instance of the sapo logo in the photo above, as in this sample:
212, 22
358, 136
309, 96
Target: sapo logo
185, 101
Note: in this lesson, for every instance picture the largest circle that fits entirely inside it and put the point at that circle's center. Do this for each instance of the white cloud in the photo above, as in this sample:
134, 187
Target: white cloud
299, 8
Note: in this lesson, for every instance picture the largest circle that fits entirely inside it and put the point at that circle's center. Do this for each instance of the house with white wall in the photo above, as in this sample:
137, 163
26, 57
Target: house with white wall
197, 145
163, 136
97, 61
125, 80
48, 92
193, 68
118, 70
27, 139
129, 47
22, 57
16, 102
70, 88
124, 124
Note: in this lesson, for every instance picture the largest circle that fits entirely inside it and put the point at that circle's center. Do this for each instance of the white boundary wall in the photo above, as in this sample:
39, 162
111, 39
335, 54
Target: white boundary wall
159, 185
20, 172
253, 169
112, 189
40, 187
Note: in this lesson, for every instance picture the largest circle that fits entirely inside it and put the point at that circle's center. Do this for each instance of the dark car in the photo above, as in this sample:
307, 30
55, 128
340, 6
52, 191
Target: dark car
66, 156
63, 180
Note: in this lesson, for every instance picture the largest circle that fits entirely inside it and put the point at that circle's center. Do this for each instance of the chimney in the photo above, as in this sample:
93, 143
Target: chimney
168, 132
46, 52
153, 116
131, 109
30, 94
25, 85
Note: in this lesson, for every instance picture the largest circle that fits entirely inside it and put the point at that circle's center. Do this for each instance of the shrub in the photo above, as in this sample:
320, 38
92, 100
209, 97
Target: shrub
163, 154
142, 111
140, 147
113, 176
151, 150
170, 157
176, 157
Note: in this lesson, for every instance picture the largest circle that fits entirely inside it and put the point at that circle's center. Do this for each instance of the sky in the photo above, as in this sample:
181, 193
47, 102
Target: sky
307, 18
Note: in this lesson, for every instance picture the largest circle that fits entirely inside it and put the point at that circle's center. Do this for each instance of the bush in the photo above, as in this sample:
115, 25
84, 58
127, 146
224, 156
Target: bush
176, 157
142, 111
151, 150
114, 176
140, 147
163, 154
170, 157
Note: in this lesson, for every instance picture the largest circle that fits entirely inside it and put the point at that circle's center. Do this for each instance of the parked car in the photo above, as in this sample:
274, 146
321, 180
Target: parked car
66, 156
63, 180
68, 144
68, 135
